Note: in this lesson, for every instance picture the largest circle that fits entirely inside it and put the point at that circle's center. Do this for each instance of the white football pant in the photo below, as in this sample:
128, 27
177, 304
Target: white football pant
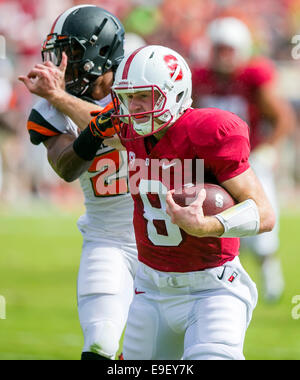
191, 316
105, 291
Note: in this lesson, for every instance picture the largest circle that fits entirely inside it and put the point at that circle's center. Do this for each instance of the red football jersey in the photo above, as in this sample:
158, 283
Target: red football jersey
219, 138
238, 94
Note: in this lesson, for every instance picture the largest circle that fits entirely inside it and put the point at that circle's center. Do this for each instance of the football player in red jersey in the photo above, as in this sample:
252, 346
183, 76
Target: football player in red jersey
235, 82
193, 299
80, 56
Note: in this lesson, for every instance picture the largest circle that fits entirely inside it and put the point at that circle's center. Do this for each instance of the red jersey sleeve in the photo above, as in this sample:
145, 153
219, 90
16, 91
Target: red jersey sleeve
258, 72
222, 139
230, 158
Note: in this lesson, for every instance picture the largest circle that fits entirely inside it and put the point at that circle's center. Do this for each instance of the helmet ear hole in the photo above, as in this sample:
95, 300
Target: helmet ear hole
179, 96
103, 51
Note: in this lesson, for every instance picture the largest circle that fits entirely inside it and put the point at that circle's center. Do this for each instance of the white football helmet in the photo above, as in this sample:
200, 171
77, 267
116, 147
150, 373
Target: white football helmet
153, 68
230, 31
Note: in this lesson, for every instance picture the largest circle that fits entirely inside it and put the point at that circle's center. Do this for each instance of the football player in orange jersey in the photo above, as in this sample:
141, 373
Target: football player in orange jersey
80, 55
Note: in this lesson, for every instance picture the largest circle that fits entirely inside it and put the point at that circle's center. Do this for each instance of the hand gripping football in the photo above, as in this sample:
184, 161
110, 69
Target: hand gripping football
217, 198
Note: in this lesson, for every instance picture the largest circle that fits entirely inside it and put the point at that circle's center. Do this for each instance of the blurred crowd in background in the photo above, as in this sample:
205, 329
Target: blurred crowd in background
180, 24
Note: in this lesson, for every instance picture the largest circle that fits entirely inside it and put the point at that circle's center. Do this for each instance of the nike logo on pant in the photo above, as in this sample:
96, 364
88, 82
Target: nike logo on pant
222, 275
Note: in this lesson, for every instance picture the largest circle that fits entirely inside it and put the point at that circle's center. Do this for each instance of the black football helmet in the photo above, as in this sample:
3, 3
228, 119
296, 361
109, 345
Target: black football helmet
93, 40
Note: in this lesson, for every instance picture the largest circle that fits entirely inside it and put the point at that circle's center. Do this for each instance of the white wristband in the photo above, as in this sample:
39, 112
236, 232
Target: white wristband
240, 220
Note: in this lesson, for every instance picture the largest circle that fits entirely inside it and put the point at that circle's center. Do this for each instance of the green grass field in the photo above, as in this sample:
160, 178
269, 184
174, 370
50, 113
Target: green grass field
38, 270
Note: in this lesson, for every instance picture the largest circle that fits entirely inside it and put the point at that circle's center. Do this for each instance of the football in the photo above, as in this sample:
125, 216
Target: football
217, 198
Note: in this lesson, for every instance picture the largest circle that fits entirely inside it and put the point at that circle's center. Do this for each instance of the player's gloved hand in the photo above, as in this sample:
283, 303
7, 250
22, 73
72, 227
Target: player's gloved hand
101, 125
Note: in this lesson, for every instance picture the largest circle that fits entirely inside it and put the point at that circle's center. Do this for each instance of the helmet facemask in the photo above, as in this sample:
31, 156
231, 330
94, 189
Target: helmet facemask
81, 71
155, 118
76, 80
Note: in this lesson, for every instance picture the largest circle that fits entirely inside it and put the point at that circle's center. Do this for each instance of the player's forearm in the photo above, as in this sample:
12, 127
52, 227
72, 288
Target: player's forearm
283, 127
77, 109
248, 191
68, 165
279, 112
241, 220
63, 159
210, 227
267, 217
